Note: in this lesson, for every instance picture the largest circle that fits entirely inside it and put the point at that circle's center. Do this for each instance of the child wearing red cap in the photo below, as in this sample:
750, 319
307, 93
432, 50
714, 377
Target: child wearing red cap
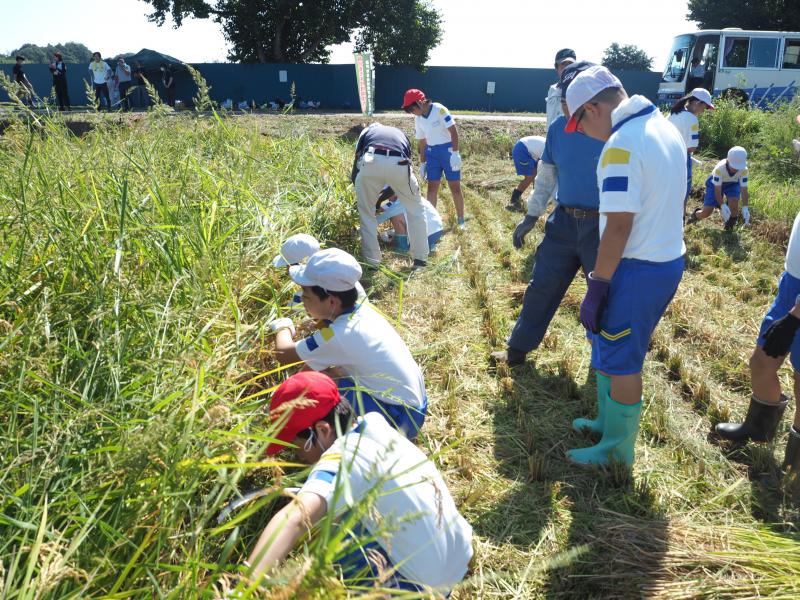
410, 535
437, 138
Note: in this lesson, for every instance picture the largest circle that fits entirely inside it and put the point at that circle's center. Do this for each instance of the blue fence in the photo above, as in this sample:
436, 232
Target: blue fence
460, 88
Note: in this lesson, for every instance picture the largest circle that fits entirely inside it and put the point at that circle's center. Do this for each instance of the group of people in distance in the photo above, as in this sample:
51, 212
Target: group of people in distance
619, 218
618, 172
124, 86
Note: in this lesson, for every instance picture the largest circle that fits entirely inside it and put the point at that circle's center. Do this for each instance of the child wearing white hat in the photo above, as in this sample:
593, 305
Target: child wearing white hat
727, 183
684, 114
378, 372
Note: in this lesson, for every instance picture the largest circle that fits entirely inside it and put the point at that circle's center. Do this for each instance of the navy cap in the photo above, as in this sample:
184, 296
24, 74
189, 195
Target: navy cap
564, 54
570, 73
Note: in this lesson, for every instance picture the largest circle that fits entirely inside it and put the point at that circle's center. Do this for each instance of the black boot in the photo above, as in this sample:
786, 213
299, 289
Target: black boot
759, 424
516, 201
730, 223
792, 458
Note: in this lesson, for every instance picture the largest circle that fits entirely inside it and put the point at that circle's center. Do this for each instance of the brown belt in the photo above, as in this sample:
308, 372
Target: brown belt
580, 213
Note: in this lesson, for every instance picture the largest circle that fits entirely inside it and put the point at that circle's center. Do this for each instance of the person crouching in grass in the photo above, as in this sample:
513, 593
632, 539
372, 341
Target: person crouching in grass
642, 180
408, 535
375, 369
726, 184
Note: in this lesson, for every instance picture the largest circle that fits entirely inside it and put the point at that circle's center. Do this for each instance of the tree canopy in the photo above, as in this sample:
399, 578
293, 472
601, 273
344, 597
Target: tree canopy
401, 32
626, 58
71, 51
780, 15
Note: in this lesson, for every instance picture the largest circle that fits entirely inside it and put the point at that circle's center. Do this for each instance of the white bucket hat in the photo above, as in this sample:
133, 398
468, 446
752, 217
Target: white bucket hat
333, 270
737, 158
296, 249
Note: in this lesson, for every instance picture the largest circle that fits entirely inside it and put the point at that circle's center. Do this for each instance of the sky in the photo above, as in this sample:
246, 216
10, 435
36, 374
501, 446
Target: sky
510, 33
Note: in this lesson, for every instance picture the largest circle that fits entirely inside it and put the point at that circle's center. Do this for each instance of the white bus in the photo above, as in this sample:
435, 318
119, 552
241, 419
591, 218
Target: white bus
760, 66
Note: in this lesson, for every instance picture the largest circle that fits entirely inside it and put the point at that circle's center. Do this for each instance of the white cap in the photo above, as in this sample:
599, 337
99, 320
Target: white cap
333, 270
737, 158
703, 95
295, 249
586, 85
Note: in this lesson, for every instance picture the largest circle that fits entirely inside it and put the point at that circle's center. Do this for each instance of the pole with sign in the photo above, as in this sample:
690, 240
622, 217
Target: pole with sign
365, 77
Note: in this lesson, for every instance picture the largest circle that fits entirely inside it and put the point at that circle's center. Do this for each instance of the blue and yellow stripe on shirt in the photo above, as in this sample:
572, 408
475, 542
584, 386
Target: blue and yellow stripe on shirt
611, 158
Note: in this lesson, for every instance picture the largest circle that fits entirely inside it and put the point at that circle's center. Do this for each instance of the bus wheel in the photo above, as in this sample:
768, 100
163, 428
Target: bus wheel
737, 96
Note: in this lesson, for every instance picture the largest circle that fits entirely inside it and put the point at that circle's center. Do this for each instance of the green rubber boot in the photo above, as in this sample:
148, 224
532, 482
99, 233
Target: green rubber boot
603, 392
619, 436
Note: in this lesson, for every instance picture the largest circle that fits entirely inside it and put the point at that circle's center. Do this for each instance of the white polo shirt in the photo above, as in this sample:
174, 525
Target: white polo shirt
534, 144
100, 71
414, 517
433, 128
642, 170
370, 351
793, 251
688, 126
720, 175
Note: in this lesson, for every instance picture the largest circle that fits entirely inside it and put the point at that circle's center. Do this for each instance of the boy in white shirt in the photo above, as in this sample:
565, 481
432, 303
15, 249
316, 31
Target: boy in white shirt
101, 74
726, 184
410, 536
395, 212
437, 139
376, 369
642, 177
526, 154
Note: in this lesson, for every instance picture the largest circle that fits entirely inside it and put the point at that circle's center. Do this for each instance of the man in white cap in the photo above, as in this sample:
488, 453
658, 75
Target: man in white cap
726, 184
383, 157
356, 342
642, 180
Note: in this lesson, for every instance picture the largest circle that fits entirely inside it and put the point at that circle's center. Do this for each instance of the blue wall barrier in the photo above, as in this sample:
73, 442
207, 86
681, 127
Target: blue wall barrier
459, 88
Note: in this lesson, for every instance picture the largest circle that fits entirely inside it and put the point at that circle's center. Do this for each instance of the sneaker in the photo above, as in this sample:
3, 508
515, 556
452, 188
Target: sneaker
462, 223
419, 264
509, 356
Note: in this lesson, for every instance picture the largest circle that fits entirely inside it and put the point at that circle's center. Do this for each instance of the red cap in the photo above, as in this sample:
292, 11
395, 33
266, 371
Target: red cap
572, 125
411, 96
316, 395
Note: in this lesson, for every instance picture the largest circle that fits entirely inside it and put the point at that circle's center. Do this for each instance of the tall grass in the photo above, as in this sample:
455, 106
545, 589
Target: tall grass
133, 371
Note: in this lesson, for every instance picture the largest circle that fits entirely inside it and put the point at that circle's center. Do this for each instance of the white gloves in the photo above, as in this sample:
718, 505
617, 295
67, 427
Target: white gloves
455, 161
283, 323
746, 215
725, 211
423, 171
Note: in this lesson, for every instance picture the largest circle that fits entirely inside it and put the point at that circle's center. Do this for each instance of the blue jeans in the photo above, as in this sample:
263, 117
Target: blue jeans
569, 244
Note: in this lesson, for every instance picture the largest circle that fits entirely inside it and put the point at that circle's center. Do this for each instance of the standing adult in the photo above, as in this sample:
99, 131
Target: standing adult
569, 163
123, 76
138, 79
168, 80
564, 58
59, 71
19, 76
437, 139
641, 176
101, 74
383, 157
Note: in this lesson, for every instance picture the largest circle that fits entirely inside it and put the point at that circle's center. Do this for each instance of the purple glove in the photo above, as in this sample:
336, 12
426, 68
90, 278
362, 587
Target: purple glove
594, 303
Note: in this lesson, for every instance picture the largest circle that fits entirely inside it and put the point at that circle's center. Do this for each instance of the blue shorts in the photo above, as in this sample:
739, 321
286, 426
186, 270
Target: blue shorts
434, 238
639, 294
729, 190
438, 160
523, 161
788, 290
405, 419
361, 566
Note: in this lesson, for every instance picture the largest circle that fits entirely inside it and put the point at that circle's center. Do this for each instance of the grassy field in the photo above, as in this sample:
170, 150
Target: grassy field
134, 365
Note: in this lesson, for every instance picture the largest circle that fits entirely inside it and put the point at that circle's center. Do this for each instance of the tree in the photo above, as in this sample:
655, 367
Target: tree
779, 15
71, 51
626, 58
400, 32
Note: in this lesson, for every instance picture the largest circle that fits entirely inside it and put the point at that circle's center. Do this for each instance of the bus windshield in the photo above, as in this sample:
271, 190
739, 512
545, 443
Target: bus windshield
678, 58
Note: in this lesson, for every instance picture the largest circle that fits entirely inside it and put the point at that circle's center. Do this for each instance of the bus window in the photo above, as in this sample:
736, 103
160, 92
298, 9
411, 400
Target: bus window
735, 55
678, 58
791, 55
763, 53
